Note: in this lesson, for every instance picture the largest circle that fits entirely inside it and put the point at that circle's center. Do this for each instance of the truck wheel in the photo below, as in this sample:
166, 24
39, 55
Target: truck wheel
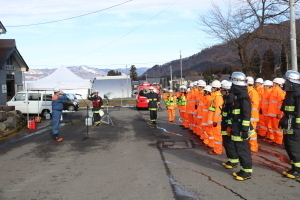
71, 108
44, 112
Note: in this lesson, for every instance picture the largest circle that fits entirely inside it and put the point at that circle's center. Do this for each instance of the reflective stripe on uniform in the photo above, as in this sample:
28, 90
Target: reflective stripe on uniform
245, 123
247, 170
297, 164
233, 160
236, 138
236, 111
289, 108
223, 133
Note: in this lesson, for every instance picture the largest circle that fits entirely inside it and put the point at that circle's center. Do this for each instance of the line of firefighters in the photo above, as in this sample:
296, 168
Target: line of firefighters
232, 114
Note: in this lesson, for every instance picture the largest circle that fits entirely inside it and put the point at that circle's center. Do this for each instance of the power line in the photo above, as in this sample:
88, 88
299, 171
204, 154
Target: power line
133, 63
124, 34
60, 20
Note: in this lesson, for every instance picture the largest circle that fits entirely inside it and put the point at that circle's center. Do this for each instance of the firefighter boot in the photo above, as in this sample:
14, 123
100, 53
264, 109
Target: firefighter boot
229, 165
242, 176
292, 174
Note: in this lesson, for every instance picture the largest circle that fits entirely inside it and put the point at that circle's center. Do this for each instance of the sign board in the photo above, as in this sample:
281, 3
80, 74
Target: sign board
4, 89
9, 67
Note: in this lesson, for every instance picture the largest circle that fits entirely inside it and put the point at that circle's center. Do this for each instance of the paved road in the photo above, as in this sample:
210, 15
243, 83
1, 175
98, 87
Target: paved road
131, 160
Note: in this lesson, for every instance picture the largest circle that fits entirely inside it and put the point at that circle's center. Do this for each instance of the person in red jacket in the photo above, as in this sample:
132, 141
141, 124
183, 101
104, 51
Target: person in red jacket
97, 103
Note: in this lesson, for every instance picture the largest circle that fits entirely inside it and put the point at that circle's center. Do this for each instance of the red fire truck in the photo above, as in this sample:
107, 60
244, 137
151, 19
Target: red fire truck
142, 101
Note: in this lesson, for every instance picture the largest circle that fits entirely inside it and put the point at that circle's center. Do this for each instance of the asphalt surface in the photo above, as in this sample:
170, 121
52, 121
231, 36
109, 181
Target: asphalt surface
132, 160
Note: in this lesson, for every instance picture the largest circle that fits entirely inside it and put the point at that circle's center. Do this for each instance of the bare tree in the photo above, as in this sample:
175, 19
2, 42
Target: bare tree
241, 21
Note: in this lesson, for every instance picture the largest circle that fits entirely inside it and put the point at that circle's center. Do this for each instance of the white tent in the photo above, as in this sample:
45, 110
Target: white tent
63, 78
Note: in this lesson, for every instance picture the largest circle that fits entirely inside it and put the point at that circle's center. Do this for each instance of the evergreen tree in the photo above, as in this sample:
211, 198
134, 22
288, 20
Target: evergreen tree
133, 73
268, 65
255, 64
113, 73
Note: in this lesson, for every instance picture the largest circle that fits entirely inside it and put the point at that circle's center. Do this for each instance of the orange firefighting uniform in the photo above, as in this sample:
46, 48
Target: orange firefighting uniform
207, 128
171, 105
181, 104
216, 117
263, 109
254, 100
277, 96
188, 110
199, 114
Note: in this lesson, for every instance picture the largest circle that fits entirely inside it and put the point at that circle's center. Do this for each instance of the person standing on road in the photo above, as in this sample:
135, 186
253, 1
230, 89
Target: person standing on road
274, 113
181, 102
290, 122
254, 99
57, 108
241, 128
263, 129
215, 117
97, 103
154, 102
233, 158
171, 105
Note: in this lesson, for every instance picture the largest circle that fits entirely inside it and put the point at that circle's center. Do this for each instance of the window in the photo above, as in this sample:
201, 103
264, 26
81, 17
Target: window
48, 97
20, 97
34, 97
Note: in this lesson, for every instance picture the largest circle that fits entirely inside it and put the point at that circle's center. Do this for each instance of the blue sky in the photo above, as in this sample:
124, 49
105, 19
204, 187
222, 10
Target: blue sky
140, 32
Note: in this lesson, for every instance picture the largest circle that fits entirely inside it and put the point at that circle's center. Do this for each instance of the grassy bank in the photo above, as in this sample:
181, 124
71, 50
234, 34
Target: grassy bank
112, 102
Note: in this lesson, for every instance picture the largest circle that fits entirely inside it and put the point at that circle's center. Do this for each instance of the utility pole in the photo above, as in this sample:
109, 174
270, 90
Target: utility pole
127, 89
180, 69
293, 36
171, 83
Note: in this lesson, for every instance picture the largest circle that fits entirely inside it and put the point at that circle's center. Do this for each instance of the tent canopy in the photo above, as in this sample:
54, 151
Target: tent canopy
63, 78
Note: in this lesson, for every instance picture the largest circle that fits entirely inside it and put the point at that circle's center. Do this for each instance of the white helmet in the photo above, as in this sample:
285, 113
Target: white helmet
238, 78
293, 76
56, 89
223, 81
195, 83
191, 85
183, 87
170, 90
216, 84
250, 80
207, 88
259, 80
278, 81
227, 85
201, 83
268, 83
151, 88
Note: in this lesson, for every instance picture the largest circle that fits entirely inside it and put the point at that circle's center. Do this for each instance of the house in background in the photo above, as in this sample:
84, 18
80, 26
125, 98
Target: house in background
12, 68
2, 29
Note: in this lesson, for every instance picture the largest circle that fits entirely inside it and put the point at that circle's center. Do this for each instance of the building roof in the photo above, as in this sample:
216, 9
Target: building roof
8, 48
153, 80
2, 29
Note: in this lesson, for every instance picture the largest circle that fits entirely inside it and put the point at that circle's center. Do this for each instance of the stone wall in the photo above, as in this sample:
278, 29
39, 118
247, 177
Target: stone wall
10, 121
